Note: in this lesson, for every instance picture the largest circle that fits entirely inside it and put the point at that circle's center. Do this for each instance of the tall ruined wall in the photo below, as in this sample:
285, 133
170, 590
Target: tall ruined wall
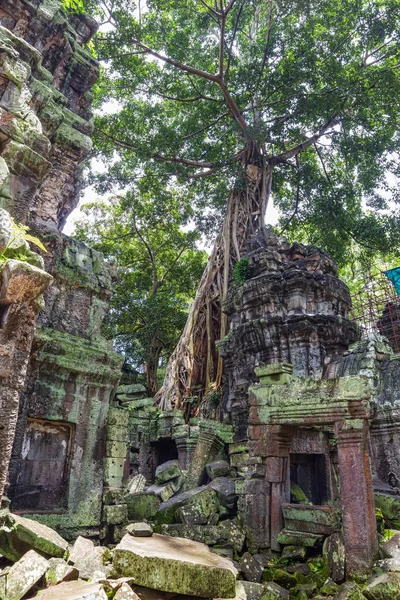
46, 80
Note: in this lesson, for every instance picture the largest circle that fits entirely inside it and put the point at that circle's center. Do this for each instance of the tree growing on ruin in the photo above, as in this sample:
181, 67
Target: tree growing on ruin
158, 270
238, 99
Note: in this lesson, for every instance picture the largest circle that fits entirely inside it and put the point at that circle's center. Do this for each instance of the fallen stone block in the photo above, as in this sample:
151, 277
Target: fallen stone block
59, 571
313, 519
137, 484
227, 531
297, 538
125, 592
177, 483
218, 468
303, 590
195, 515
266, 591
349, 591
273, 591
383, 587
329, 588
19, 535
175, 565
334, 552
294, 552
73, 590
22, 576
94, 563
285, 579
167, 471
139, 529
81, 547
165, 492
202, 500
391, 548
226, 491
252, 566
132, 389
142, 506
253, 590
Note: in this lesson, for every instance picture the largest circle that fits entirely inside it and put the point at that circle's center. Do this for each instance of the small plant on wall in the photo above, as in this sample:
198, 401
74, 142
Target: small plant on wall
17, 246
242, 271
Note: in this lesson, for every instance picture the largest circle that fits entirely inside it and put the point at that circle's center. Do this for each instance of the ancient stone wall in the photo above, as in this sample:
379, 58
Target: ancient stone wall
292, 308
46, 79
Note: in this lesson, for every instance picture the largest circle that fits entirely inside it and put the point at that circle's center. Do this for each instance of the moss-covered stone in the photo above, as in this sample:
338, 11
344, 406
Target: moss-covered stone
18, 535
349, 591
383, 587
142, 506
390, 509
175, 565
202, 501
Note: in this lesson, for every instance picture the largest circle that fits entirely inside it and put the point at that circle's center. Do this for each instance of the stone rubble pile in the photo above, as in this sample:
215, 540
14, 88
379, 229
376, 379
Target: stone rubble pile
192, 546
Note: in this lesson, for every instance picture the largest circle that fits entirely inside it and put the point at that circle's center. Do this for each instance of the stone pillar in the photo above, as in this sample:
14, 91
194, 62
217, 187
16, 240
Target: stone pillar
356, 491
207, 440
185, 447
277, 464
20, 285
265, 494
255, 510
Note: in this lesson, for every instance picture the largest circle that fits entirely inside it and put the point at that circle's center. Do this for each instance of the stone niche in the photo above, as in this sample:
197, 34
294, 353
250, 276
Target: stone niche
292, 309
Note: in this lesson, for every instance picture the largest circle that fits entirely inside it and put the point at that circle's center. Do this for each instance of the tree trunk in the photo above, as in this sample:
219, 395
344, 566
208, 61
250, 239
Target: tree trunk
195, 364
151, 368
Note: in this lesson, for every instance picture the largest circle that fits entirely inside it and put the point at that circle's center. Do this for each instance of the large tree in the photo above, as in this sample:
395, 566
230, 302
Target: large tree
235, 98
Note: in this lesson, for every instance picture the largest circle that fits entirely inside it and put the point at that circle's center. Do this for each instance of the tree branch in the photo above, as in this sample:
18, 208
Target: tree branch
210, 8
284, 156
175, 63
156, 156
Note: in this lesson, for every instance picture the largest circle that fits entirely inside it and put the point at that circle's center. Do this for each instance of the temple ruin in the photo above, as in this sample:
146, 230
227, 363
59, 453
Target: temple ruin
292, 462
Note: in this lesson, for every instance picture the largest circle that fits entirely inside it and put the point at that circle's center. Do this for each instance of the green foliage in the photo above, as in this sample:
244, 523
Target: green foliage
74, 6
241, 271
289, 67
388, 534
159, 268
20, 237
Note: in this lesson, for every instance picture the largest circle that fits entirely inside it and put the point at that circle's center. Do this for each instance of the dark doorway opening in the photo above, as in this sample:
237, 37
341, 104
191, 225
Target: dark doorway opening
164, 450
309, 473
42, 481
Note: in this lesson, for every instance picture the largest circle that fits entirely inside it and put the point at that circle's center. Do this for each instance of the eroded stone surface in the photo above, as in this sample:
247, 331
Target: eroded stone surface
175, 565
18, 535
140, 529
58, 571
22, 576
383, 587
74, 590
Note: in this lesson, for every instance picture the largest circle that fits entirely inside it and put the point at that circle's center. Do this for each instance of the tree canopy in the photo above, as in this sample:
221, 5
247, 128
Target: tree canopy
194, 82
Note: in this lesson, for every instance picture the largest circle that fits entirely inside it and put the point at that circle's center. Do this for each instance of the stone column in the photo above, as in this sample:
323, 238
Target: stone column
357, 496
185, 447
20, 285
277, 464
206, 441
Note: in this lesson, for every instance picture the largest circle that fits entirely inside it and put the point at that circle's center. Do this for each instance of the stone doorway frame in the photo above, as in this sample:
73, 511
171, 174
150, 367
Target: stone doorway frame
277, 406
